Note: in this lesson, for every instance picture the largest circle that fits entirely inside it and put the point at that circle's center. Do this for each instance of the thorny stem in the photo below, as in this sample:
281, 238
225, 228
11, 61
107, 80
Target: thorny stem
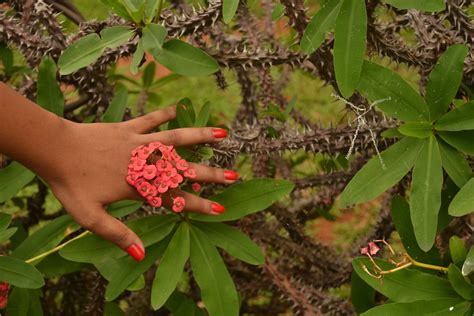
57, 248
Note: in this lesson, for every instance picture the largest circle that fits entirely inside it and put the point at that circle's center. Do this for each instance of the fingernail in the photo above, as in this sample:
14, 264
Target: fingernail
217, 208
230, 175
136, 252
219, 133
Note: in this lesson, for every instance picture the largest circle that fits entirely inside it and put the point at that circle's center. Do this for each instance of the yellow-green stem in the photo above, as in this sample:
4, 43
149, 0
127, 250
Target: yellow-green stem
57, 248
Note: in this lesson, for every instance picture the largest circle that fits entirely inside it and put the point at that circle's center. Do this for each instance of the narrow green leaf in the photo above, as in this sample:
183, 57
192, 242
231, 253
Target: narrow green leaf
461, 140
229, 7
24, 302
6, 234
392, 133
44, 239
137, 57
118, 8
111, 266
117, 106
185, 59
459, 119
112, 309
149, 75
457, 249
349, 45
203, 116
406, 285
321, 23
135, 9
463, 202
247, 197
233, 241
130, 270
425, 5
181, 305
416, 129
94, 249
372, 180
445, 306
468, 266
362, 295
378, 83
171, 267
217, 287
401, 219
54, 265
5, 220
123, 208
454, 164
425, 197
90, 47
460, 284
48, 94
151, 7
445, 78
153, 38
12, 179
19, 273
183, 116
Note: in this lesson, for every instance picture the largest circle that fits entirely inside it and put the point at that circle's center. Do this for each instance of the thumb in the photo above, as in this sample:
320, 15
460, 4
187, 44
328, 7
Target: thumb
98, 221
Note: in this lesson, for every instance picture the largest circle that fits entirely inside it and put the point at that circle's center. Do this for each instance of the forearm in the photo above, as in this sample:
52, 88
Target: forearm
29, 133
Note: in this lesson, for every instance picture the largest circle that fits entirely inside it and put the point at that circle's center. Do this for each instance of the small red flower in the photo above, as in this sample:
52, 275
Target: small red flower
190, 173
163, 165
182, 165
175, 181
178, 204
145, 189
196, 187
163, 187
149, 172
373, 248
167, 175
154, 201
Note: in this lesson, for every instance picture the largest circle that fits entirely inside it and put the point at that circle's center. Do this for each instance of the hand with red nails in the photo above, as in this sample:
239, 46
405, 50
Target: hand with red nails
86, 164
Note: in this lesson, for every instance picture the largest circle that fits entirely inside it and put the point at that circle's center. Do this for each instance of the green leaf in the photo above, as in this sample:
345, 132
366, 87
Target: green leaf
462, 140
123, 208
278, 11
181, 305
463, 202
6, 56
246, 198
6, 234
459, 119
321, 23
401, 219
111, 266
203, 116
406, 285
460, 284
130, 270
349, 45
118, 8
137, 57
90, 47
5, 220
457, 249
454, 164
392, 133
217, 287
445, 78
229, 7
183, 116
19, 273
12, 179
44, 239
117, 106
378, 83
135, 9
372, 180
362, 295
148, 75
468, 265
171, 267
233, 241
112, 309
151, 7
416, 129
94, 249
425, 197
153, 37
452, 307
24, 302
185, 59
54, 265
425, 5
48, 93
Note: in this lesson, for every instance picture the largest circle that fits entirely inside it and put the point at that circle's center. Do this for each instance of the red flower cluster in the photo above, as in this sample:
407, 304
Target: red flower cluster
4, 287
154, 169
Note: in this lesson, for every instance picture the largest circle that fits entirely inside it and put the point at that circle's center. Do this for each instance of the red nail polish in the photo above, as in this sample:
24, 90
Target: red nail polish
136, 252
216, 207
230, 175
219, 133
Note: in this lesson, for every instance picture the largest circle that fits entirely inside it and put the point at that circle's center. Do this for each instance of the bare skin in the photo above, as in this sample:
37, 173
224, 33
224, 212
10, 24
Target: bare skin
86, 164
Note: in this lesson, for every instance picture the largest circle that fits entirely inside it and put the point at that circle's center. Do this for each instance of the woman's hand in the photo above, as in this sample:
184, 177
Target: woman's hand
93, 167
86, 164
